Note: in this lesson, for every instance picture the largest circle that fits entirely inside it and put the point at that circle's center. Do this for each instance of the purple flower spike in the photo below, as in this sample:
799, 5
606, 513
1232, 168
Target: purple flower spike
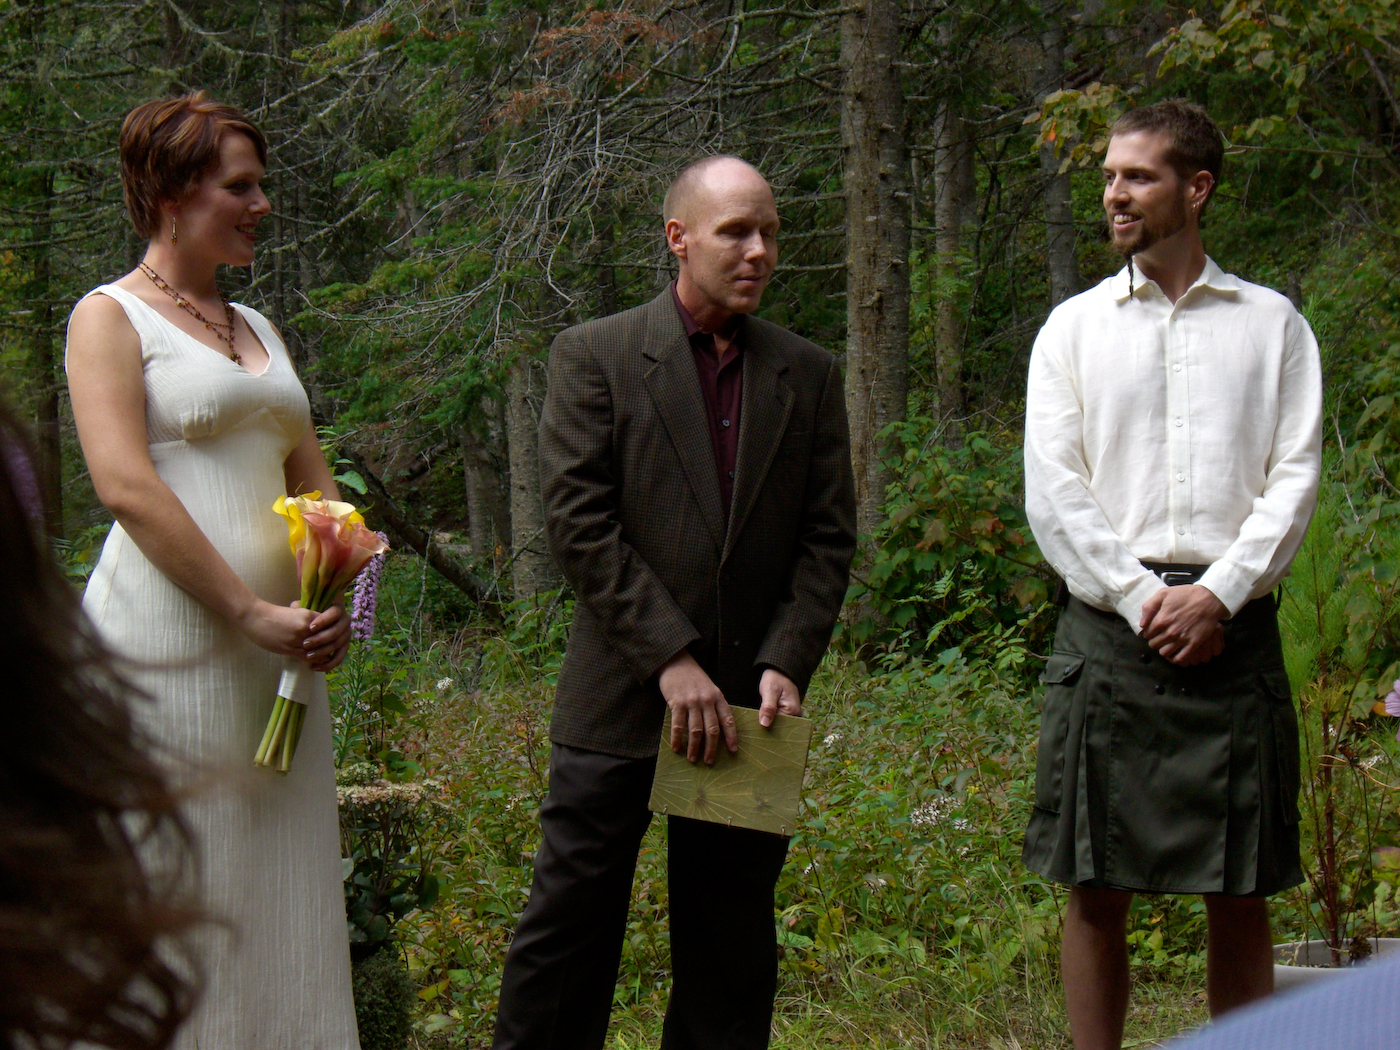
366, 597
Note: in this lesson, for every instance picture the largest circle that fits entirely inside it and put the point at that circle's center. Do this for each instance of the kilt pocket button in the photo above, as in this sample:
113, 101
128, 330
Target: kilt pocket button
1159, 689
1146, 658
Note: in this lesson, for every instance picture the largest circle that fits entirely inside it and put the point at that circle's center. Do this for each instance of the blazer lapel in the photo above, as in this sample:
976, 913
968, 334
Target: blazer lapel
675, 390
767, 405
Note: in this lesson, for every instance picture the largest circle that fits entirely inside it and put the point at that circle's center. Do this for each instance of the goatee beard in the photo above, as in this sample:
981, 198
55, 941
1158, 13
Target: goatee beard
1148, 235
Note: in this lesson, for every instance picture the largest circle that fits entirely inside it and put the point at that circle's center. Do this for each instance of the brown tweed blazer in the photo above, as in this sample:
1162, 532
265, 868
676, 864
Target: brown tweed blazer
634, 518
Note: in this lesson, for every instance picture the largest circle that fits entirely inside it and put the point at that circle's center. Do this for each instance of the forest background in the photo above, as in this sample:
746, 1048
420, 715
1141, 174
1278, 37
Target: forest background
454, 182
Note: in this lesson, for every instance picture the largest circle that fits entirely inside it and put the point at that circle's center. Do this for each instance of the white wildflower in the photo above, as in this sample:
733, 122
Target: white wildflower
444, 684
831, 738
384, 792
931, 814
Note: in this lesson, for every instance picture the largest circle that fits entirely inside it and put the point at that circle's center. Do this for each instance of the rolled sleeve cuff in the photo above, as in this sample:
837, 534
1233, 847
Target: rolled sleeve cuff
1130, 605
1229, 583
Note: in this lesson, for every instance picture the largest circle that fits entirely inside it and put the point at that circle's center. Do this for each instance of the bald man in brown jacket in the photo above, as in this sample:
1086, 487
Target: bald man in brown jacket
696, 476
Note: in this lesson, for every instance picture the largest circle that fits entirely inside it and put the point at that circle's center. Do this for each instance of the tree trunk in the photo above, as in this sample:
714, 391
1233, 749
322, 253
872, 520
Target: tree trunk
532, 571
955, 194
605, 280
1061, 265
875, 179
488, 514
42, 360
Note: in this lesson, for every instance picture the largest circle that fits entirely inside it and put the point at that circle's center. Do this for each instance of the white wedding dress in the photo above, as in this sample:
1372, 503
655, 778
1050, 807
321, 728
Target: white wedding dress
277, 970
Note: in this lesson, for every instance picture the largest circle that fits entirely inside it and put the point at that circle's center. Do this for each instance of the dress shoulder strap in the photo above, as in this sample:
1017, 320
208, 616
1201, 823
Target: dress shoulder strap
141, 316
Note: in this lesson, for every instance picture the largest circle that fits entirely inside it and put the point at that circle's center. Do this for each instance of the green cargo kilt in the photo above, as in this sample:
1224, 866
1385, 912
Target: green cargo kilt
1166, 779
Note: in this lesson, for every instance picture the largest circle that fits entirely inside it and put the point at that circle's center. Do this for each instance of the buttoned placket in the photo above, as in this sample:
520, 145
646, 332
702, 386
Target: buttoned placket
1178, 420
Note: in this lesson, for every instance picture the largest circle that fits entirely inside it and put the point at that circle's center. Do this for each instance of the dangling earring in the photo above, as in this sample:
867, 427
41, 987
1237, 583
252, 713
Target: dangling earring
173, 236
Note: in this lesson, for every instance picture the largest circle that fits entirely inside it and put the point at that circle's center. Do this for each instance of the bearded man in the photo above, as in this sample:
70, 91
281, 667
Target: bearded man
1173, 435
696, 475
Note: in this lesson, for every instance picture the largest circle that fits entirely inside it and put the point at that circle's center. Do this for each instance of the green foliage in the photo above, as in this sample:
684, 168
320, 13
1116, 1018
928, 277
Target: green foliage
956, 564
530, 646
383, 1001
77, 556
1337, 619
366, 700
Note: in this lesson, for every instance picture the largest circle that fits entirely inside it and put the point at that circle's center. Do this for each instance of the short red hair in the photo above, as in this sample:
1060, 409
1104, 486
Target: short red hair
168, 144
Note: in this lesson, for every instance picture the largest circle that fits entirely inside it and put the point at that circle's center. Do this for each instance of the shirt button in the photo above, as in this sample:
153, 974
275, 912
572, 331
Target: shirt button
1181, 530
1159, 689
731, 475
1176, 368
724, 422
1178, 421
1180, 476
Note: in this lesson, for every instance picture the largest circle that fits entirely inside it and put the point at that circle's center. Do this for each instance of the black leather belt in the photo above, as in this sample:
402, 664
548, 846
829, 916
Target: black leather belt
1174, 575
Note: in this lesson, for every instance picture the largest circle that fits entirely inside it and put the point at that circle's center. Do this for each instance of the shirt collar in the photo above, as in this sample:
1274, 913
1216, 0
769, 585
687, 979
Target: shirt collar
692, 327
1212, 277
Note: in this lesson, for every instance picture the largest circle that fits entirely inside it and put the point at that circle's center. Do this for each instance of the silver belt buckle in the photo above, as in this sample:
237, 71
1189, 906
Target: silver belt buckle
1178, 579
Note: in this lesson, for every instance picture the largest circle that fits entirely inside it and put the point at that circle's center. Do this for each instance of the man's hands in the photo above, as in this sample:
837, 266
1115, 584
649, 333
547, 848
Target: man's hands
699, 712
1183, 624
779, 695
700, 715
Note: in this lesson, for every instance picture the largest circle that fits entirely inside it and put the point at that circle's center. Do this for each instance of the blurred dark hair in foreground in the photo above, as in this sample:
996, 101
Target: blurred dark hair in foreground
93, 855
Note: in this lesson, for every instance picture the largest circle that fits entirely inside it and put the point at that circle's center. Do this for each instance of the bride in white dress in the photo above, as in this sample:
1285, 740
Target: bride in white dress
193, 421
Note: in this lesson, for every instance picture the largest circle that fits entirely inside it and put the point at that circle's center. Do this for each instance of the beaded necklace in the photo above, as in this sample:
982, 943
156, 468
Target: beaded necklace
189, 308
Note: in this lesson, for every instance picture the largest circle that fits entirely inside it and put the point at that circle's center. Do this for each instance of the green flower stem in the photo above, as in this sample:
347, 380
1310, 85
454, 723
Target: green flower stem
289, 737
298, 720
261, 757
279, 733
301, 721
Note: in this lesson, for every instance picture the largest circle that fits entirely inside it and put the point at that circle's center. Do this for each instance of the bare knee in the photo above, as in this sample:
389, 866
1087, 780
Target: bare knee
1236, 911
1105, 910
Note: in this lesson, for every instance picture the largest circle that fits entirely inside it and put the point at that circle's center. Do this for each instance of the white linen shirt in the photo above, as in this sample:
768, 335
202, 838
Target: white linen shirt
1187, 433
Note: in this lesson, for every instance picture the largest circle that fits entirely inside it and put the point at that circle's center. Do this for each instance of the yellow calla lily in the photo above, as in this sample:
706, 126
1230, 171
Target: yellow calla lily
296, 524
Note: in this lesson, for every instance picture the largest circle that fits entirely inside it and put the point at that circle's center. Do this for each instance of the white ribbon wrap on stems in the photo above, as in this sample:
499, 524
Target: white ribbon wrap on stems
297, 680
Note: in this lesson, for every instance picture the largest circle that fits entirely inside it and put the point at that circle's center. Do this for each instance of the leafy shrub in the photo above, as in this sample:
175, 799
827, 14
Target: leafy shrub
954, 515
383, 1001
77, 555
382, 844
1338, 621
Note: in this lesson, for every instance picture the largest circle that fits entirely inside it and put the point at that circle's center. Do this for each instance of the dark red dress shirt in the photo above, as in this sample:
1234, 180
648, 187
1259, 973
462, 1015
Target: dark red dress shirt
722, 385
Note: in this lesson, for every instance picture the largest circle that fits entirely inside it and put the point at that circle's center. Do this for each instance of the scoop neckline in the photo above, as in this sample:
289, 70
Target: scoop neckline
200, 342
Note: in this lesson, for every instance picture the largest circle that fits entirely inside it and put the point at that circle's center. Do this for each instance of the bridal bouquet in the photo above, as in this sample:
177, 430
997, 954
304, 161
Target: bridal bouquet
332, 545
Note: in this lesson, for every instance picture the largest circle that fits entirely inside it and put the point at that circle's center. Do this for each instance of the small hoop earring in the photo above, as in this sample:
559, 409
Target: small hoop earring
173, 235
